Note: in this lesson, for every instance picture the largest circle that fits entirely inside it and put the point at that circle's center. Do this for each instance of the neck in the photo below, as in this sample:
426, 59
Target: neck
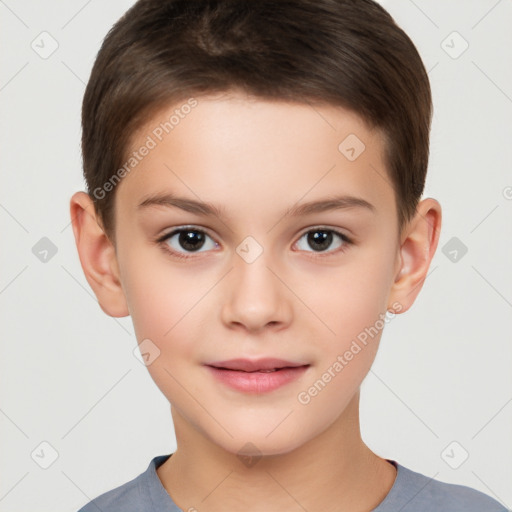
334, 471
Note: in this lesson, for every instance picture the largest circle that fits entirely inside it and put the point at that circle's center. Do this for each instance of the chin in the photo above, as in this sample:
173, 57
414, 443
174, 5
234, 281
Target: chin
257, 444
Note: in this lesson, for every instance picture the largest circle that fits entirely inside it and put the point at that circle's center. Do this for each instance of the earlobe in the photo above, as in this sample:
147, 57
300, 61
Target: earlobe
97, 256
416, 252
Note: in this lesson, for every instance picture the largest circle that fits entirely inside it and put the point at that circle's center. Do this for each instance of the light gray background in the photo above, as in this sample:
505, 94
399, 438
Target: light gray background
68, 374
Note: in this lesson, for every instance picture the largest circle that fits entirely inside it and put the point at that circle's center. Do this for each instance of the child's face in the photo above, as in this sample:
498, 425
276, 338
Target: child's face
303, 299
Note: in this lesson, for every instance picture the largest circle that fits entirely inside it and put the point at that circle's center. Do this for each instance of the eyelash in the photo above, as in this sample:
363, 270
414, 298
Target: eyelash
347, 241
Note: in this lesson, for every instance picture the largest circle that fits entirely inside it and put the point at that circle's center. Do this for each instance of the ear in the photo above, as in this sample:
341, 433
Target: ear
418, 246
97, 256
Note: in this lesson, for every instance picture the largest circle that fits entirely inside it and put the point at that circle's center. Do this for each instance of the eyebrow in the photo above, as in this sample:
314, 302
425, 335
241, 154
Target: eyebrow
209, 209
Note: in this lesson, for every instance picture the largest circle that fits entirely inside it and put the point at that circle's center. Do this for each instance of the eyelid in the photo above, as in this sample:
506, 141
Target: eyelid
325, 227
161, 241
177, 229
347, 240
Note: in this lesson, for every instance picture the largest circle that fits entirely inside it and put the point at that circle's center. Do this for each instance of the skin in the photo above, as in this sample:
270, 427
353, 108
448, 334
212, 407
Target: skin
255, 159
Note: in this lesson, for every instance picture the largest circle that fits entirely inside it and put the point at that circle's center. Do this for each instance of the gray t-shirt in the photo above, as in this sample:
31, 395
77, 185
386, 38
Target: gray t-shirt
411, 492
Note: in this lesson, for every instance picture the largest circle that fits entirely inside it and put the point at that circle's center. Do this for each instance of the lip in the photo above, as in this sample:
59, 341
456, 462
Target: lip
254, 365
245, 375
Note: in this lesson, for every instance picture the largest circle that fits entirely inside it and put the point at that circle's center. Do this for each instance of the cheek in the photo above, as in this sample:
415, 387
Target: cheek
351, 299
160, 297
352, 303
168, 308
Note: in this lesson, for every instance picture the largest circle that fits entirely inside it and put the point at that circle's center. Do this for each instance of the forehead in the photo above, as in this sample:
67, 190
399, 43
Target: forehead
245, 154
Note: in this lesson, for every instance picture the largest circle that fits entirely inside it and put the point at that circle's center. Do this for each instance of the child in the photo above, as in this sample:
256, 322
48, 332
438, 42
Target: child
288, 141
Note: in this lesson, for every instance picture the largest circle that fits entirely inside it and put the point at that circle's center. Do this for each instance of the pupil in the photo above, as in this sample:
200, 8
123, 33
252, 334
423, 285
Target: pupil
194, 240
191, 240
323, 238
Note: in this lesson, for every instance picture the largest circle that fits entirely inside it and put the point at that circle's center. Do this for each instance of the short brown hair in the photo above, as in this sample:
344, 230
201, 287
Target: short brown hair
347, 53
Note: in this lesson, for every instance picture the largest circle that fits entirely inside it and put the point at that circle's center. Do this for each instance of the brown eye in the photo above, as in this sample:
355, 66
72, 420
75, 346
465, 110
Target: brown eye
321, 239
187, 240
190, 240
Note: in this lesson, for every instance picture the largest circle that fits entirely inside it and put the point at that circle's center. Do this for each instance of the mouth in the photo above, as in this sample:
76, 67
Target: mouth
266, 365
259, 371
256, 376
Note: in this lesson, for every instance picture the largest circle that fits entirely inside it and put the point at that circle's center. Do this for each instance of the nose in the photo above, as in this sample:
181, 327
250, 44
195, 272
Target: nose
254, 296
